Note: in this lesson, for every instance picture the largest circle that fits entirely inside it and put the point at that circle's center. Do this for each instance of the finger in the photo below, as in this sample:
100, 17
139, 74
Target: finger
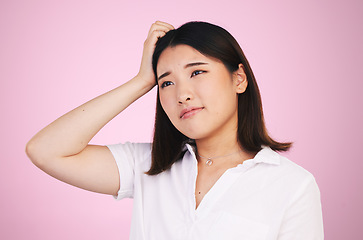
169, 26
156, 27
153, 38
159, 25
157, 34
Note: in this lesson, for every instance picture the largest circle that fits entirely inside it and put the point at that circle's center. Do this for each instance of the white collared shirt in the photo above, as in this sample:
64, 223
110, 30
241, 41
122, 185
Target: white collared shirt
267, 197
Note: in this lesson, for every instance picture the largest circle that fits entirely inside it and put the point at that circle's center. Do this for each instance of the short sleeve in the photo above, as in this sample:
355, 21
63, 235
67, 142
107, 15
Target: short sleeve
129, 158
303, 218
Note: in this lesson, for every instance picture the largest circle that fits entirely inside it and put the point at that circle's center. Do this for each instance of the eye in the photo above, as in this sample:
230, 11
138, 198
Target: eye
197, 72
166, 83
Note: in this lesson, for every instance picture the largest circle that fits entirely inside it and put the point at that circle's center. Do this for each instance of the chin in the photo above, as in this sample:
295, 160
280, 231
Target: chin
196, 134
196, 130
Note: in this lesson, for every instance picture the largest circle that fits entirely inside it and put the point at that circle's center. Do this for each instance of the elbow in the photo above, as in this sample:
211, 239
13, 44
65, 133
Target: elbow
34, 152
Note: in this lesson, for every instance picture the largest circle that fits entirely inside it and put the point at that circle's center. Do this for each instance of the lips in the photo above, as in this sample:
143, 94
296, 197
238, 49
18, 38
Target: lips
189, 111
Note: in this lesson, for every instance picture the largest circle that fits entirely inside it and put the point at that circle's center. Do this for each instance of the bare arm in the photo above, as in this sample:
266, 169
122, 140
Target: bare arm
61, 149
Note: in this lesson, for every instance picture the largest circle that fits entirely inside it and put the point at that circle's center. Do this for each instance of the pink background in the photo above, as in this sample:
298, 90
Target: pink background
55, 55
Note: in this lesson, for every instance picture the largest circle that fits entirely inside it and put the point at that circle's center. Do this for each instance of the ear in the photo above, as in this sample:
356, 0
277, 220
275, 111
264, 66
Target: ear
240, 79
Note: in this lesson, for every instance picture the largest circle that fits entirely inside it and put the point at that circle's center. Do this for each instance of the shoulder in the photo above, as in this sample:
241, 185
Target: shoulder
284, 181
298, 179
289, 165
278, 168
294, 171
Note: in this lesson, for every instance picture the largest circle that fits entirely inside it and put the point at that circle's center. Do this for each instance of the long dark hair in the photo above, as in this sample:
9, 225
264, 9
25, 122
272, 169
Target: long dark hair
212, 41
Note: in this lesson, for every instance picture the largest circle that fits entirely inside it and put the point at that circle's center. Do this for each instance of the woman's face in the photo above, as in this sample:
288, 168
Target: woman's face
198, 93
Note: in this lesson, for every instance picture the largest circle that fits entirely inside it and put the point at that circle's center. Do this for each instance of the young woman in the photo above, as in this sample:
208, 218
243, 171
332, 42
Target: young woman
212, 171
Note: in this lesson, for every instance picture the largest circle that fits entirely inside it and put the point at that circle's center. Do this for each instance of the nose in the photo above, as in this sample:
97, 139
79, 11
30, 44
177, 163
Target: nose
181, 101
185, 93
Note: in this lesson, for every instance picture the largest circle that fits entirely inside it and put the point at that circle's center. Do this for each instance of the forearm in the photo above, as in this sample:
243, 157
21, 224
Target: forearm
70, 134
61, 149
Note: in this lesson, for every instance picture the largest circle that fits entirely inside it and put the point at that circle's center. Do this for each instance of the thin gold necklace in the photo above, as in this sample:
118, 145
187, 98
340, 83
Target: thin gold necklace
209, 161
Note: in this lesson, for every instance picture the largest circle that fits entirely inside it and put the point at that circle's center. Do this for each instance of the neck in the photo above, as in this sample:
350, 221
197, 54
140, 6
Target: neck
223, 142
220, 146
221, 154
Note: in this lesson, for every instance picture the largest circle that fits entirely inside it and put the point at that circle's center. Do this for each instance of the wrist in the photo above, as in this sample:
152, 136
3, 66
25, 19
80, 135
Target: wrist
145, 84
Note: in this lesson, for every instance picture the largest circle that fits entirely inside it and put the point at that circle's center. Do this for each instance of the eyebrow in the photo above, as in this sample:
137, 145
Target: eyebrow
186, 66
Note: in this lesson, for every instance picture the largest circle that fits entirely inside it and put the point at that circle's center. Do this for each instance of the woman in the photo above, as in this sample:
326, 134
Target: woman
211, 171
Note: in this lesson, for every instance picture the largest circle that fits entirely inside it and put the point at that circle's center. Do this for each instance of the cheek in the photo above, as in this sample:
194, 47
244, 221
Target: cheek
217, 94
221, 102
166, 102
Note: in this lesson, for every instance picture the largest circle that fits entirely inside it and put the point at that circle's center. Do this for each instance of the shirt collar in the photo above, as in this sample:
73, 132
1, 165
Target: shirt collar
265, 155
190, 148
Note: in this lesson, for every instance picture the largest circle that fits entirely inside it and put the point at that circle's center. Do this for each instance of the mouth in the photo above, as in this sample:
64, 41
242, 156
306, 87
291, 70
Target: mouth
189, 112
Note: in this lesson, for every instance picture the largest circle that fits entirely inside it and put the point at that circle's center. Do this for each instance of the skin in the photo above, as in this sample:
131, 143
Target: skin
62, 148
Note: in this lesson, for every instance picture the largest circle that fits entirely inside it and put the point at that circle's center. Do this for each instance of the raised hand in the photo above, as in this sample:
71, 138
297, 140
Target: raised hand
157, 30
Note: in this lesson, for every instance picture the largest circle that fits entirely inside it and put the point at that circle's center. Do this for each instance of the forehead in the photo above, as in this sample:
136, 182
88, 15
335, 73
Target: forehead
179, 56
